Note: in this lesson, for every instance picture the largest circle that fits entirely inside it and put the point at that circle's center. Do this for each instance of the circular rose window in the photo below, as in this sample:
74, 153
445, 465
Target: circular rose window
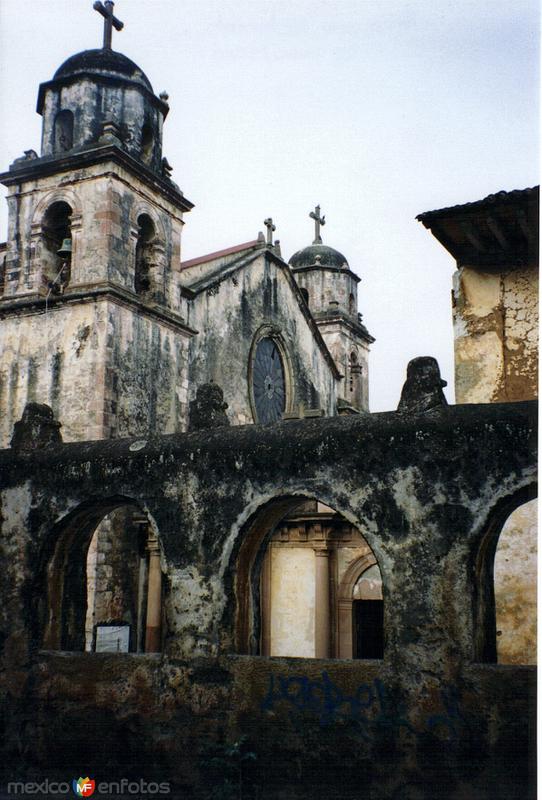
268, 382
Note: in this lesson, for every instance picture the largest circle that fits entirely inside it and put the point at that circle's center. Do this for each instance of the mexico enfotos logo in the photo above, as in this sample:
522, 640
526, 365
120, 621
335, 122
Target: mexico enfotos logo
86, 787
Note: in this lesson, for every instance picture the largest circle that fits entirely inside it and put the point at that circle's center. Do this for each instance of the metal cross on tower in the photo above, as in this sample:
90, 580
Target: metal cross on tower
318, 220
110, 21
270, 230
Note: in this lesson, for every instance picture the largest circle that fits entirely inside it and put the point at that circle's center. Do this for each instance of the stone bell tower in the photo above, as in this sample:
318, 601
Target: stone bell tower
330, 289
91, 307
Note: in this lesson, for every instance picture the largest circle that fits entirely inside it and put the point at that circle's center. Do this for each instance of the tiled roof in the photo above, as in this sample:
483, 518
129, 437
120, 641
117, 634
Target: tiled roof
489, 201
193, 262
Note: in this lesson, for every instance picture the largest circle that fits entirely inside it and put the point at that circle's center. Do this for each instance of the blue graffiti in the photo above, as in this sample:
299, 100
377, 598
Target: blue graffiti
370, 706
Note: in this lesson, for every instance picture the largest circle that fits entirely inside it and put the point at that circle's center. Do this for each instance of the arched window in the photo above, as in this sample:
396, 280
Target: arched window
57, 246
268, 381
305, 293
144, 250
104, 584
147, 142
63, 131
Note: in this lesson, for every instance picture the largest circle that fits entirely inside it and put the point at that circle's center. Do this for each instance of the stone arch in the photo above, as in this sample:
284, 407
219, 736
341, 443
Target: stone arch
144, 208
483, 559
149, 248
45, 264
246, 568
62, 578
66, 195
345, 603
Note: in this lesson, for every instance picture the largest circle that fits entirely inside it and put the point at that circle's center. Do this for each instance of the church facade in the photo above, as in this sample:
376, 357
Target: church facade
100, 318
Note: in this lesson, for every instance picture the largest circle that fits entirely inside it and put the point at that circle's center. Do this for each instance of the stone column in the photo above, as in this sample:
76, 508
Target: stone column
154, 599
322, 617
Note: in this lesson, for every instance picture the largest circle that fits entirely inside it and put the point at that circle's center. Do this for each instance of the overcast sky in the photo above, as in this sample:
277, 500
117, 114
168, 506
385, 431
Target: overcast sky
375, 110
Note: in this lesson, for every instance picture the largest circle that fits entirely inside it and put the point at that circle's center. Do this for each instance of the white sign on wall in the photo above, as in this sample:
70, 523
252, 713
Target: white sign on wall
112, 638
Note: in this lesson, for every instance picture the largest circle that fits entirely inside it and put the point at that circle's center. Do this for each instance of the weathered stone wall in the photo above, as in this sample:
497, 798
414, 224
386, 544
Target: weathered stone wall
329, 286
105, 370
296, 729
229, 315
56, 358
426, 490
342, 341
127, 105
496, 335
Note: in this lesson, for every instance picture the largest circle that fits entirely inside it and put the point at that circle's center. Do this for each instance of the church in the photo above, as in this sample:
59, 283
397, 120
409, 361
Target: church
215, 556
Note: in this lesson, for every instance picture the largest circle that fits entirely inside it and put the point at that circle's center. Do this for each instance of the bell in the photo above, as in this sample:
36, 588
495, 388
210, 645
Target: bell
66, 248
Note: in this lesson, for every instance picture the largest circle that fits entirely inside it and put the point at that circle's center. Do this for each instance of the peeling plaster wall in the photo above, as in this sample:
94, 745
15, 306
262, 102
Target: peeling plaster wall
228, 317
496, 335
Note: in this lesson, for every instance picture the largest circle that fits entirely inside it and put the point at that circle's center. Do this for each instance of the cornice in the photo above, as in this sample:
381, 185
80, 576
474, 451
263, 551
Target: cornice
43, 167
90, 293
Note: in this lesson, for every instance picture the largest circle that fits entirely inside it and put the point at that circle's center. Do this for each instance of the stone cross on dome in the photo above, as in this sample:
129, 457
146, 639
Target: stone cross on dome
318, 221
110, 21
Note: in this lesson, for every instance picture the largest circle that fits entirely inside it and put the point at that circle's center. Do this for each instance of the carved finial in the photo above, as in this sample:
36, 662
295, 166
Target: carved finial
36, 429
318, 221
110, 21
423, 387
270, 230
208, 409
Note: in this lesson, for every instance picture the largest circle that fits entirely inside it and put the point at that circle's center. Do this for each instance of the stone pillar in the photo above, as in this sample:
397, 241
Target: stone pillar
322, 617
154, 599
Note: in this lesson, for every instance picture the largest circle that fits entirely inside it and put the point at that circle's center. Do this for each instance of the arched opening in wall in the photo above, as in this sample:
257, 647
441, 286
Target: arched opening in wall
63, 131
368, 608
300, 585
515, 587
352, 310
145, 239
147, 142
57, 246
305, 293
506, 581
104, 583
